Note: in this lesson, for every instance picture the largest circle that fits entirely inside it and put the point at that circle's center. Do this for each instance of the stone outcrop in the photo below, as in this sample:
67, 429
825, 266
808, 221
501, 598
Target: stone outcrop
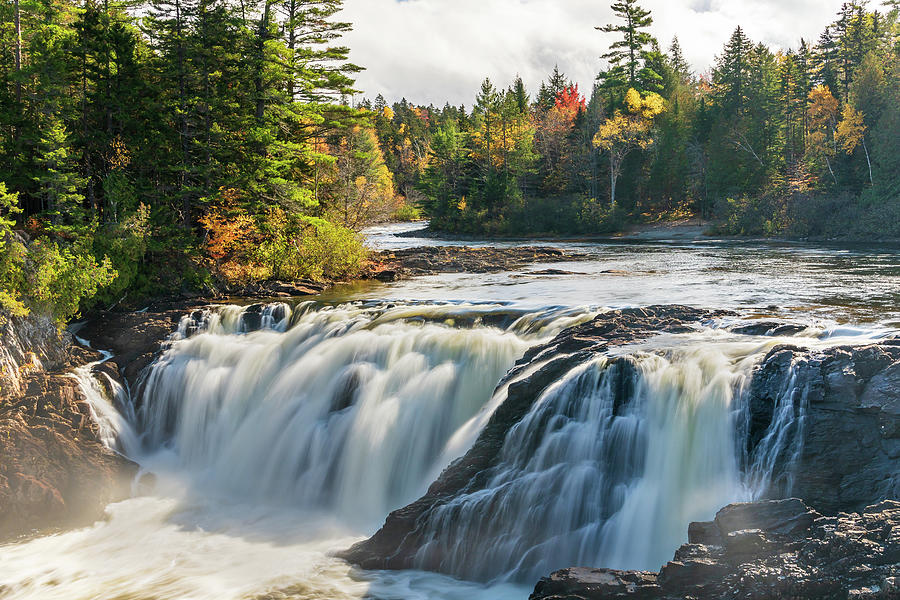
29, 345
135, 338
849, 402
54, 470
396, 543
775, 549
398, 264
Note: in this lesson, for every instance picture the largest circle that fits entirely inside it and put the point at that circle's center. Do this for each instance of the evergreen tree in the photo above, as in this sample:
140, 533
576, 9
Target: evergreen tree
520, 95
626, 55
731, 72
679, 64
550, 90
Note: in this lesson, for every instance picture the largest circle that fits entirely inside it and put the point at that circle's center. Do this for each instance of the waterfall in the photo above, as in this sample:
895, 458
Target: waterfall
352, 409
607, 469
110, 407
355, 409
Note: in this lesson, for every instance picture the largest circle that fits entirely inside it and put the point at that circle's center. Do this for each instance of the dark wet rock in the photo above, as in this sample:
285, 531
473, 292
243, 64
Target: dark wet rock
385, 275
581, 584
795, 553
706, 532
396, 264
554, 272
849, 400
135, 338
397, 542
278, 289
770, 328
777, 516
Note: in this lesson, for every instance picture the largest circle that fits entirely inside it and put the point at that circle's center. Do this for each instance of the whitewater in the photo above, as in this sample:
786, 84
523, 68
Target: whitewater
270, 438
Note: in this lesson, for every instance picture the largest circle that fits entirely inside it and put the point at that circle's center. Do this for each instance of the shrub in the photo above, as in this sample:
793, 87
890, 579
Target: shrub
308, 248
62, 279
125, 243
407, 212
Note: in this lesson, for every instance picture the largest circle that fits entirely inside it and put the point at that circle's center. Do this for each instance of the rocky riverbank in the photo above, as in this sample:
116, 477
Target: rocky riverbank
774, 549
54, 469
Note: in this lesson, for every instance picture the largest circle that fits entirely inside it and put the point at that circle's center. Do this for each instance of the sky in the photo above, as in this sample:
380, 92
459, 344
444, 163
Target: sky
437, 51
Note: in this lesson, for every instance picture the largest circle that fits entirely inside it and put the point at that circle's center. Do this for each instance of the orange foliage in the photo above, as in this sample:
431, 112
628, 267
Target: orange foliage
228, 228
570, 103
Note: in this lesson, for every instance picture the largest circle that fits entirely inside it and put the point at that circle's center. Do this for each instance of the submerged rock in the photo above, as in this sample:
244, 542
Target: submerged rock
774, 549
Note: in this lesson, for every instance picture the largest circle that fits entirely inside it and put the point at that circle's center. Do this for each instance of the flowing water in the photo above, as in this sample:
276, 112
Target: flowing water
280, 435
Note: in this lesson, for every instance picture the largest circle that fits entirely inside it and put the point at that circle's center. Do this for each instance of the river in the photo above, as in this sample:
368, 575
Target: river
276, 448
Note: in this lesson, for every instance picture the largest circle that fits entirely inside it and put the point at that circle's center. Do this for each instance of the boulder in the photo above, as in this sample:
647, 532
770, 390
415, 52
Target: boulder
581, 584
849, 401
852, 555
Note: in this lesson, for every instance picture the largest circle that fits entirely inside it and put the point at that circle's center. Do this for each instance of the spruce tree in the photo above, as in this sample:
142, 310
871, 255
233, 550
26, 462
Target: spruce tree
676, 59
732, 71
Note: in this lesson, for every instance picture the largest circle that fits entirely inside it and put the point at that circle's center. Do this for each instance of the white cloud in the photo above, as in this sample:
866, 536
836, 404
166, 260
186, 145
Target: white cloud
433, 51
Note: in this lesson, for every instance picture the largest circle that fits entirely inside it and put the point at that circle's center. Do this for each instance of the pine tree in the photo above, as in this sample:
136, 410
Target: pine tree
626, 54
319, 70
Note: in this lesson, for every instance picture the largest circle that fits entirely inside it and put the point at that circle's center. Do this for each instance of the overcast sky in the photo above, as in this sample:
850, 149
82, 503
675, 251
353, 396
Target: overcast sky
434, 51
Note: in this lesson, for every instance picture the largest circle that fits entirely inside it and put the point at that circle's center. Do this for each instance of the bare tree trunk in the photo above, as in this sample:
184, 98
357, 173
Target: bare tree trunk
18, 25
612, 180
868, 162
830, 170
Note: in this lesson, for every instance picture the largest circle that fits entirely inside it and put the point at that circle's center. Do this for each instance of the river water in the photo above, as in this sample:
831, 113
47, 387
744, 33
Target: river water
274, 448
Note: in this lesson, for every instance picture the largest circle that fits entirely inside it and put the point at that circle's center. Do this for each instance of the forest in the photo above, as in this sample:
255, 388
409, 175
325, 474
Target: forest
801, 143
178, 144
185, 145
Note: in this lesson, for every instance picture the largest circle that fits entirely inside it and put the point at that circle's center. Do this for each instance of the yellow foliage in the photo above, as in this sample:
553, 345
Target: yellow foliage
388, 113
633, 100
462, 204
631, 130
851, 129
648, 106
119, 155
823, 107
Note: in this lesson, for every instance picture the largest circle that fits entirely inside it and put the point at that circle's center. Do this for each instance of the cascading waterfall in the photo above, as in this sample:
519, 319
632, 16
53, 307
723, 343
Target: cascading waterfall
110, 407
353, 409
608, 467
769, 465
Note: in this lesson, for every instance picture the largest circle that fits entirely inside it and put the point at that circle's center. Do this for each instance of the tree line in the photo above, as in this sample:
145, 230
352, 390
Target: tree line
802, 142
150, 146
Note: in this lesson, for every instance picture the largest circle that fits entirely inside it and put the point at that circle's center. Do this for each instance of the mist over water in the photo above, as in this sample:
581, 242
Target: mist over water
283, 433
